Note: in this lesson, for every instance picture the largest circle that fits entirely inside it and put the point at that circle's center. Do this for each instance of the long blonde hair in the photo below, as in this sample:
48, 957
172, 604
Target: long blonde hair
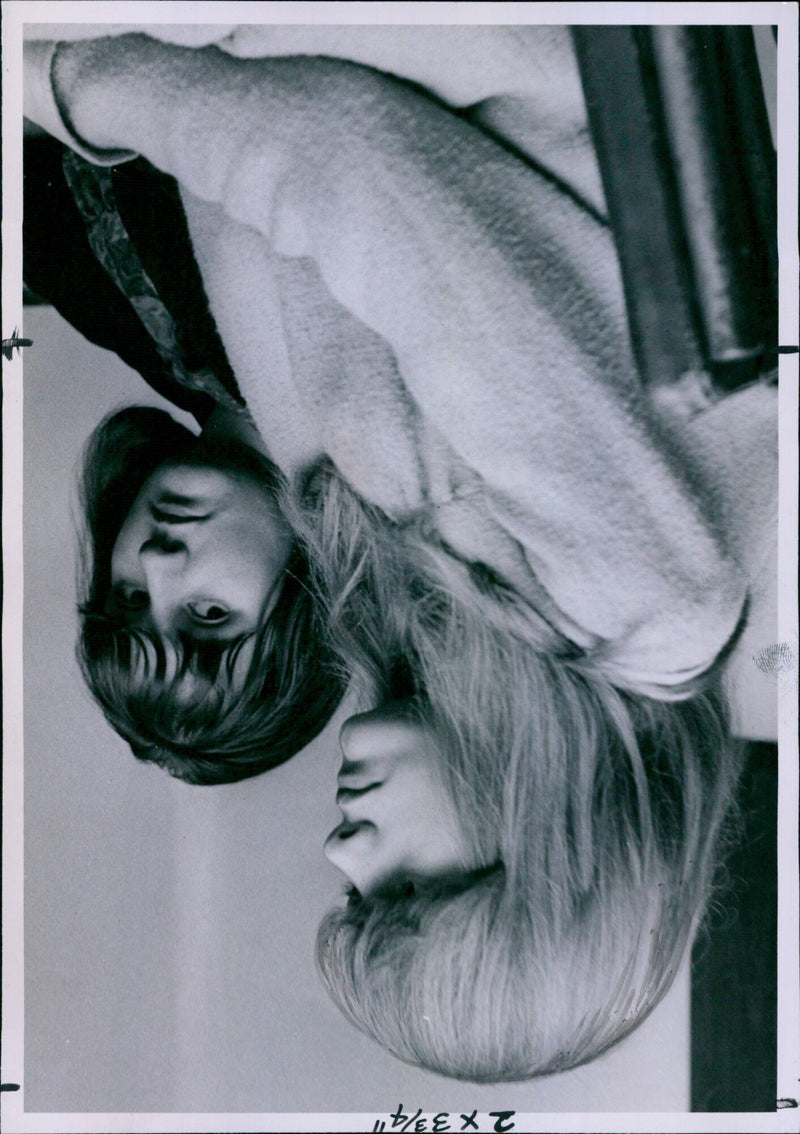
601, 813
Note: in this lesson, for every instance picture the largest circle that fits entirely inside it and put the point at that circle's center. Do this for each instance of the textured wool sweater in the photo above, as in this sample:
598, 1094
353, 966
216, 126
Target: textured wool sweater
398, 291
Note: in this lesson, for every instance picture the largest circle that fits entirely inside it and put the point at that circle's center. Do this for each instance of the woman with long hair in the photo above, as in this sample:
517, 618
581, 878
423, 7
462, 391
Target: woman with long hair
530, 850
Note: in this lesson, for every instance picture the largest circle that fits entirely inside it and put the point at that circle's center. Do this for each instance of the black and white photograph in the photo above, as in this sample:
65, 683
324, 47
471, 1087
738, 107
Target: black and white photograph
400, 624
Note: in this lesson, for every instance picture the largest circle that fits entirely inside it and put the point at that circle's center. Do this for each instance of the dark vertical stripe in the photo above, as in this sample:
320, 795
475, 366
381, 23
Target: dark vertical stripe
747, 111
722, 240
734, 963
634, 165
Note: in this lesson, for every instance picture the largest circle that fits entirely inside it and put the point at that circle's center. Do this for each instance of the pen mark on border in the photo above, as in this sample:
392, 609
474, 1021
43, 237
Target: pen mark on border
14, 343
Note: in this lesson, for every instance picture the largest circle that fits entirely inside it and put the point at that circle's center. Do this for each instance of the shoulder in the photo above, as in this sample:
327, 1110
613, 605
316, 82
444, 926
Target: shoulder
736, 442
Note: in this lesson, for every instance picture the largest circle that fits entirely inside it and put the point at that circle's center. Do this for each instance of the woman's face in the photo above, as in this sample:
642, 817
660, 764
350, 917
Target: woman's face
200, 554
399, 823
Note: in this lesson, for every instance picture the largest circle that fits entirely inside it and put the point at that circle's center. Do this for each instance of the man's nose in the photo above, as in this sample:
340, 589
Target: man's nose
163, 561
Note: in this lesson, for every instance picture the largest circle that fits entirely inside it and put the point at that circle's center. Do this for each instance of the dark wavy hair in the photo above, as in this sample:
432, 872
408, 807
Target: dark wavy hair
207, 712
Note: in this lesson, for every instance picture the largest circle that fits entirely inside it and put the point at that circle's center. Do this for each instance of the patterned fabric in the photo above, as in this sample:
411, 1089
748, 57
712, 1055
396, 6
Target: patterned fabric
93, 190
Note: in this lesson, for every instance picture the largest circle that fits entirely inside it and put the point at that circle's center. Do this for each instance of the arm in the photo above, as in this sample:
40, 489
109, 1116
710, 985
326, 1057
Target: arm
499, 296
462, 64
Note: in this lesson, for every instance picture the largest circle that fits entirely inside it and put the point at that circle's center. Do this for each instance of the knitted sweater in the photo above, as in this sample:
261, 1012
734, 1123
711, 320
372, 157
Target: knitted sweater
397, 291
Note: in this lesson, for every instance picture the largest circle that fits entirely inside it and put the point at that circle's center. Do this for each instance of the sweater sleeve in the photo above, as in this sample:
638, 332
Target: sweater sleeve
499, 296
41, 107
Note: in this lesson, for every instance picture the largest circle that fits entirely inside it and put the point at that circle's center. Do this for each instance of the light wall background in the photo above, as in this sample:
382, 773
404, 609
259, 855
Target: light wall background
169, 930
